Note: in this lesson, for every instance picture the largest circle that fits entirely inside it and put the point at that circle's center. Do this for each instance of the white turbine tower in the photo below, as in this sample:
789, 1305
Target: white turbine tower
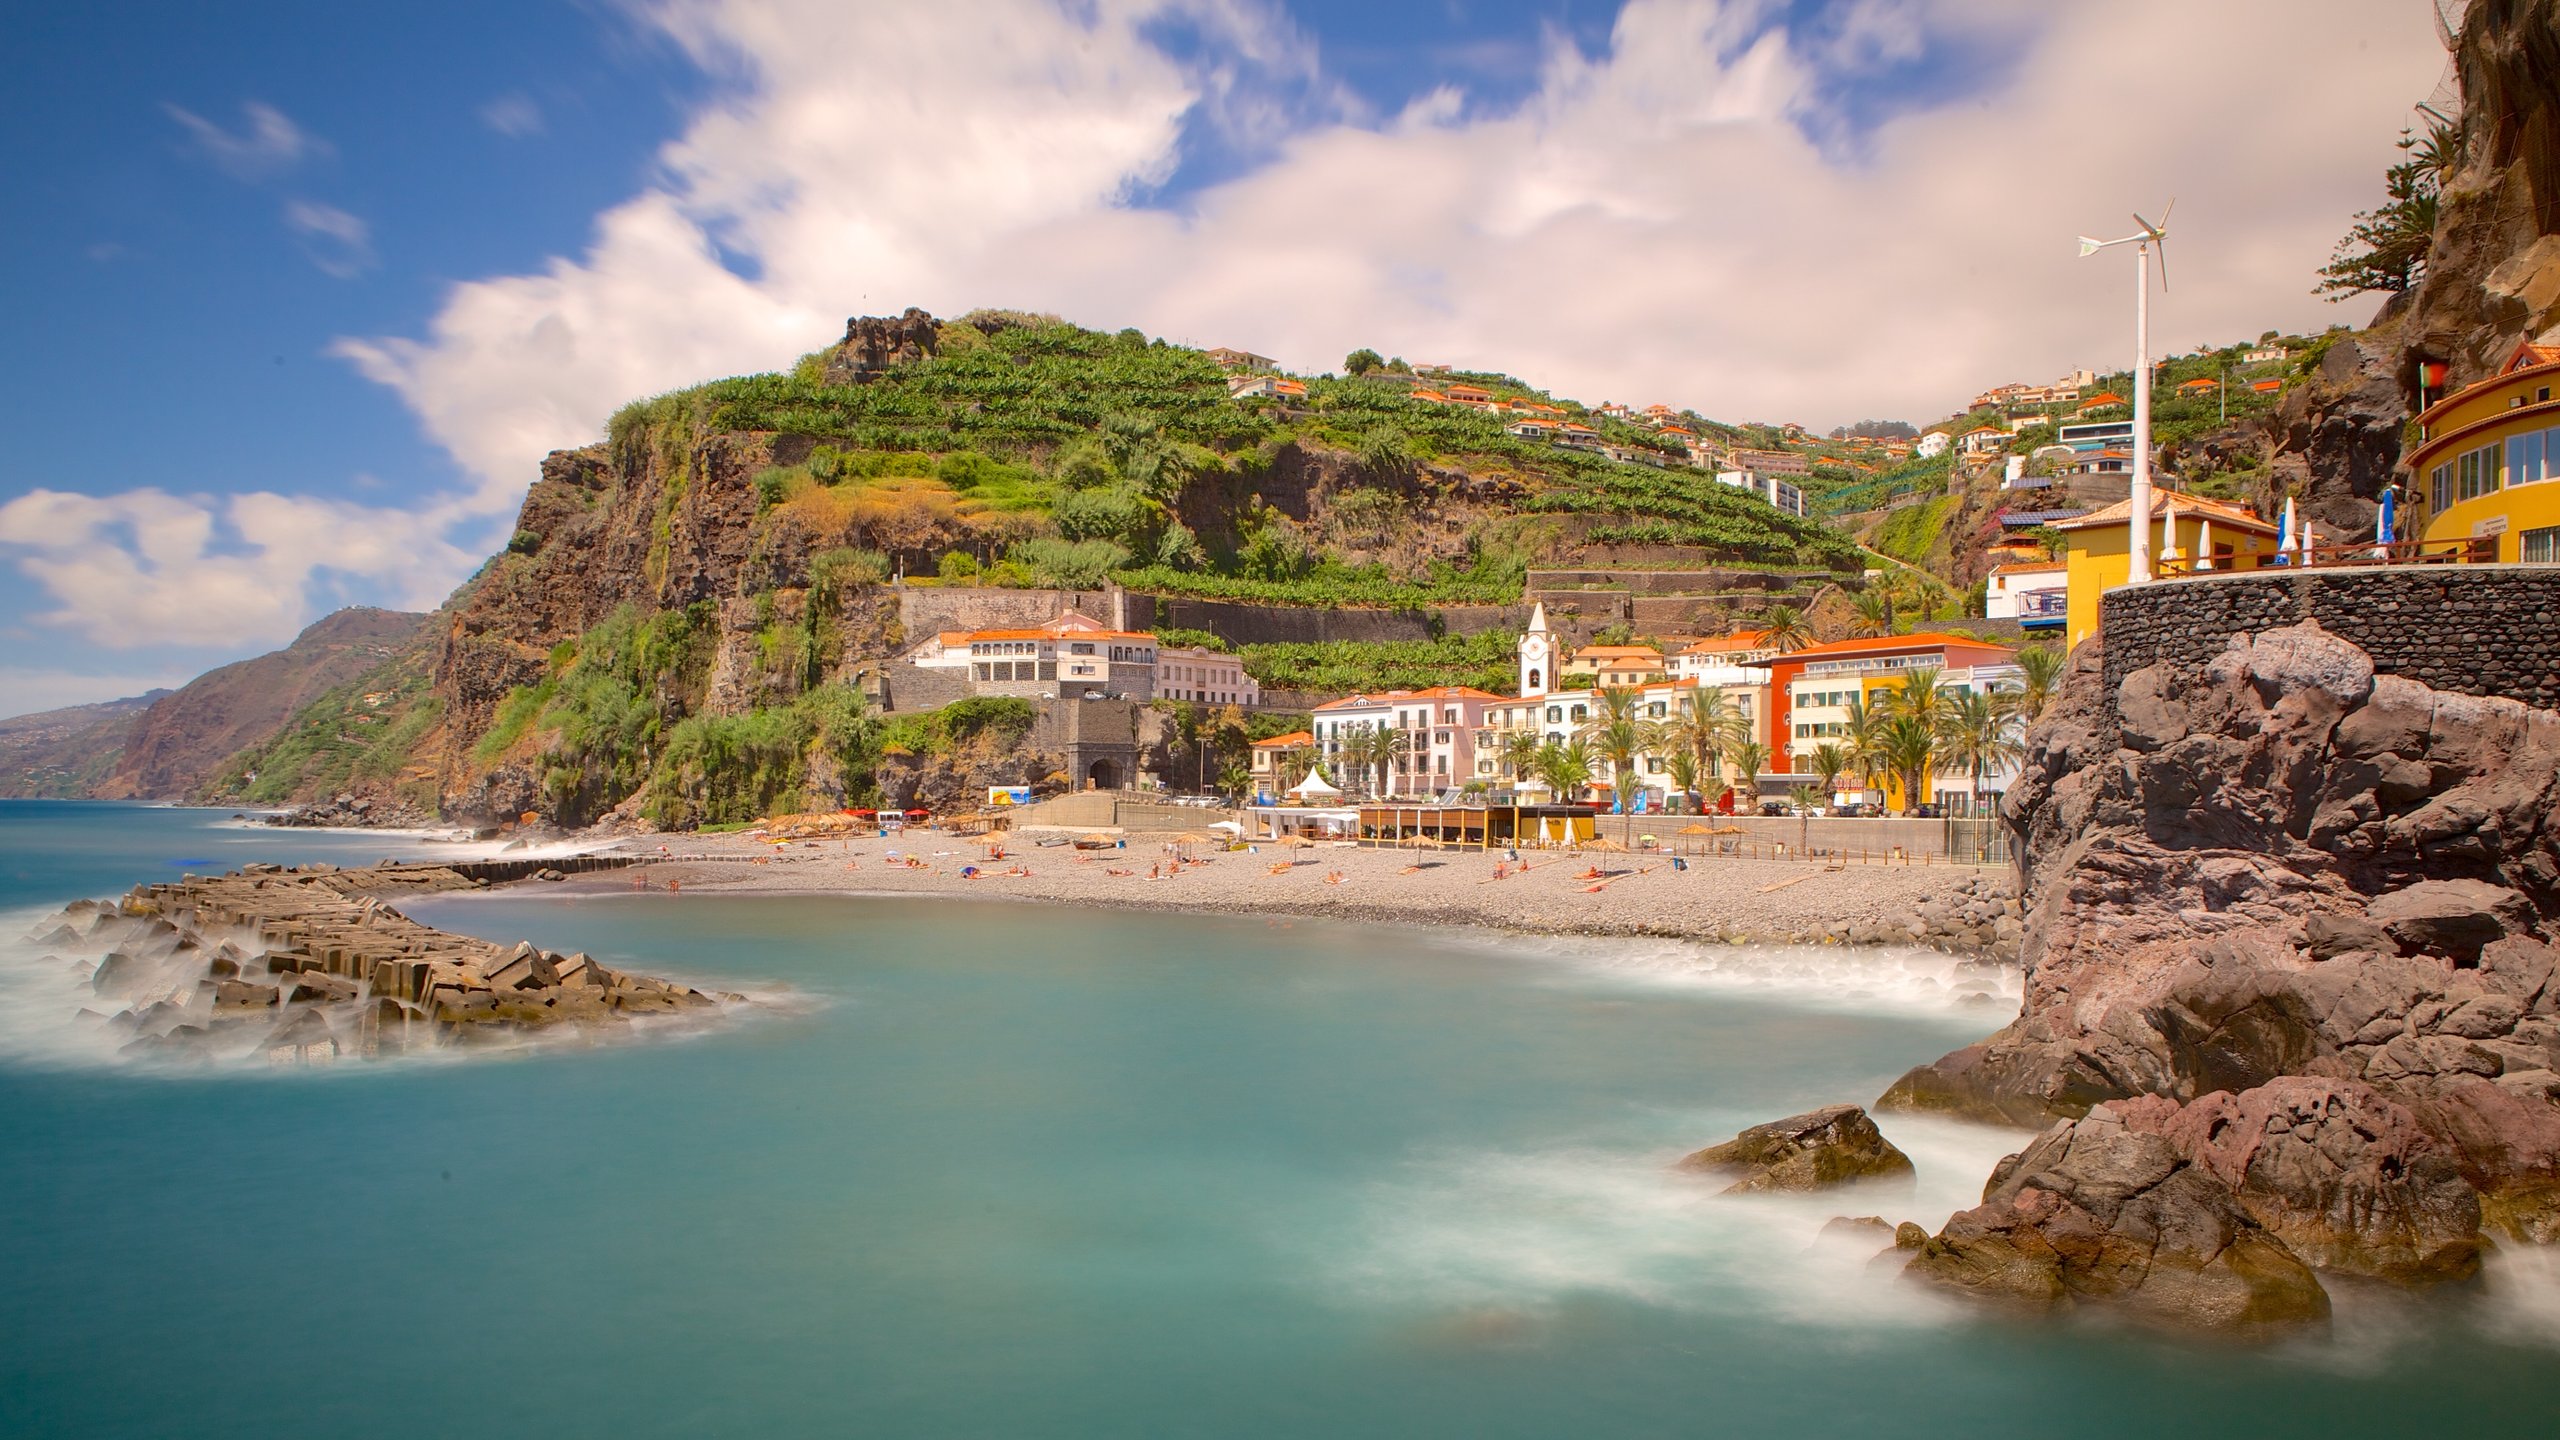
2143, 241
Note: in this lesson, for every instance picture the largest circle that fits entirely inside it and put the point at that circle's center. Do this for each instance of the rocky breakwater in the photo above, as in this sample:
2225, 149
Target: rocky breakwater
2289, 989
310, 964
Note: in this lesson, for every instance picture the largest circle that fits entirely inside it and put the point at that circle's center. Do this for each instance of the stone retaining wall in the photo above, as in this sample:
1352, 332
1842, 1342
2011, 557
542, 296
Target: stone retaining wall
2472, 629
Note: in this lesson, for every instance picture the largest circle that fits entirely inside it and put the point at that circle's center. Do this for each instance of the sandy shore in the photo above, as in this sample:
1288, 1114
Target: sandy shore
1954, 907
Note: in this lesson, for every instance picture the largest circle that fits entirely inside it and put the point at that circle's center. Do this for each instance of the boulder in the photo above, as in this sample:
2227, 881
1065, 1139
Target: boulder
2327, 937
2095, 1214
1836, 1145
2347, 1179
2454, 919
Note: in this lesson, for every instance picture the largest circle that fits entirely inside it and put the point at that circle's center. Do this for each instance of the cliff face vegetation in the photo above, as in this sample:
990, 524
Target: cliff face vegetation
704, 590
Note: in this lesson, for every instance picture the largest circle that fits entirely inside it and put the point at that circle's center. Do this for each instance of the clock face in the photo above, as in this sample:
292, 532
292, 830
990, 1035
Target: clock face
1537, 646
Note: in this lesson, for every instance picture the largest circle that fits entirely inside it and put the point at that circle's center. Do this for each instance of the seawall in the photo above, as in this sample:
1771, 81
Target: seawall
2490, 630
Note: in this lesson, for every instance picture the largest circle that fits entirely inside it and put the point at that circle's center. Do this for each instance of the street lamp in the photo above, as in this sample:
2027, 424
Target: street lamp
2139, 522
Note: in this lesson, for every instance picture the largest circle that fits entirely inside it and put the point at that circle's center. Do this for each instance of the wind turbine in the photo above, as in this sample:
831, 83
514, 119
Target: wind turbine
2143, 241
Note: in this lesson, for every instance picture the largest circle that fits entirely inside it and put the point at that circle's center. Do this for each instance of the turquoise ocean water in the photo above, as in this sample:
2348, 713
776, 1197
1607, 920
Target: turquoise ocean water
1003, 1170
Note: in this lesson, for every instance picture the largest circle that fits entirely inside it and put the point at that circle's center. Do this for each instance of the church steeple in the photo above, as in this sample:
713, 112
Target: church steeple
1537, 654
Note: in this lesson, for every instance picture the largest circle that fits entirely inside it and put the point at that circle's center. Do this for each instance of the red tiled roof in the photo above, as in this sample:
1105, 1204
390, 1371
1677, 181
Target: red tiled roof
1284, 742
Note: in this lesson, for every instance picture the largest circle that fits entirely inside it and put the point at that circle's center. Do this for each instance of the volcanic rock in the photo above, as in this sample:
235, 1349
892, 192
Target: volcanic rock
1836, 1145
2344, 1177
2095, 1213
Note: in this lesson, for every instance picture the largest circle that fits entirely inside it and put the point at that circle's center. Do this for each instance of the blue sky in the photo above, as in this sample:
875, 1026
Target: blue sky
287, 284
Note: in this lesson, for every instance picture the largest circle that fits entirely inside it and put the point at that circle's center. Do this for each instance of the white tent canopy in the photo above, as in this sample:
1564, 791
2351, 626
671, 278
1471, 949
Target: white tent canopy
1314, 784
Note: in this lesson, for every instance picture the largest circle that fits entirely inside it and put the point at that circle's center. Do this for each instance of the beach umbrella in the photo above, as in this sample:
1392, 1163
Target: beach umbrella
2284, 534
1314, 784
2386, 518
2204, 543
1229, 826
1696, 830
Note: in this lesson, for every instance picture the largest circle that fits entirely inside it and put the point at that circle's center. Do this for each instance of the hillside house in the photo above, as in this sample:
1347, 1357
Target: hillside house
1983, 440
1780, 493
2197, 386
2100, 401
2264, 354
1228, 359
1531, 429
1072, 655
1205, 677
1468, 394
1258, 387
2265, 387
2035, 593
1934, 444
1272, 761
1771, 462
1616, 664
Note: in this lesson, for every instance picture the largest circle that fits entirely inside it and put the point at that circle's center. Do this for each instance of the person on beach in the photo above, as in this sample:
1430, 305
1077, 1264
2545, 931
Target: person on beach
1335, 877
968, 872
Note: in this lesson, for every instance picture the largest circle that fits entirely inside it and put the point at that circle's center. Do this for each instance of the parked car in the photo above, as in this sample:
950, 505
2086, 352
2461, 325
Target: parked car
1850, 810
1773, 807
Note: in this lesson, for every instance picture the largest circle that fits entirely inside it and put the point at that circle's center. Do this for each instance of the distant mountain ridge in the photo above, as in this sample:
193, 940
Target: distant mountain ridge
176, 745
64, 754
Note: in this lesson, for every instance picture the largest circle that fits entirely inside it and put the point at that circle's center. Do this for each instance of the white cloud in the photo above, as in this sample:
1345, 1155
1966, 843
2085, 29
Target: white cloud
513, 115
1652, 223
147, 568
268, 143
24, 690
339, 243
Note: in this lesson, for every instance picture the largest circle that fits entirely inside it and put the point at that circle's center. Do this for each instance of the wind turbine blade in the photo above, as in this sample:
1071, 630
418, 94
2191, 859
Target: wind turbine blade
2147, 227
2164, 212
2161, 243
2091, 247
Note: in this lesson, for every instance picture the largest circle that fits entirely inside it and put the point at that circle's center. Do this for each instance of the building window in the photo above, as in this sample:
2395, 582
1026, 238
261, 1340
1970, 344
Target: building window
2476, 472
2533, 458
2541, 547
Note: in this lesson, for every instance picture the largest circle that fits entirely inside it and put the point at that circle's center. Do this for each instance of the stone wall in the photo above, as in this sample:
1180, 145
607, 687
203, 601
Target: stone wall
2472, 629
1245, 624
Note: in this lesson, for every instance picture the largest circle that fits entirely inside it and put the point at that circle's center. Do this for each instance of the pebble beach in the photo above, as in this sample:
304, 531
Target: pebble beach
1593, 892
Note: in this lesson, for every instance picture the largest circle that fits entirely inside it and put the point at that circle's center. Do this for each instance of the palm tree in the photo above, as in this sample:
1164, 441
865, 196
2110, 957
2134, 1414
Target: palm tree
1704, 726
1830, 762
1921, 697
1520, 755
1875, 612
2042, 665
1783, 628
1236, 780
1908, 746
1978, 735
1388, 744
1865, 734
1294, 763
1565, 765
1684, 770
1748, 758
1362, 746
1619, 737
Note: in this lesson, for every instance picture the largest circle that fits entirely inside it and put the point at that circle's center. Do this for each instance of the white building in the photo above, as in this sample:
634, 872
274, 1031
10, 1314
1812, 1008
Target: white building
1209, 677
1781, 493
1933, 445
2030, 592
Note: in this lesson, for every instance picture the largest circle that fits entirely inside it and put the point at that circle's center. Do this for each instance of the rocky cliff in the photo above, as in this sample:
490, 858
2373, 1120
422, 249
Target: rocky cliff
186, 735
2492, 276
2289, 937
64, 754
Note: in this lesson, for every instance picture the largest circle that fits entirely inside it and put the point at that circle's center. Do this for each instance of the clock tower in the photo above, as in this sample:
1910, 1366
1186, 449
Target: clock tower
1537, 655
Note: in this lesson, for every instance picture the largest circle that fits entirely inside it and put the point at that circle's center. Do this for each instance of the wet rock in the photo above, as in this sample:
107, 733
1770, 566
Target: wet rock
303, 1039
1836, 1145
2348, 1180
2094, 1214
314, 987
1868, 1228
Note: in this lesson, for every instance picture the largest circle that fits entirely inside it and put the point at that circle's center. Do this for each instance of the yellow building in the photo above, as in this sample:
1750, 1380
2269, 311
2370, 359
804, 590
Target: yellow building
2486, 459
2098, 547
